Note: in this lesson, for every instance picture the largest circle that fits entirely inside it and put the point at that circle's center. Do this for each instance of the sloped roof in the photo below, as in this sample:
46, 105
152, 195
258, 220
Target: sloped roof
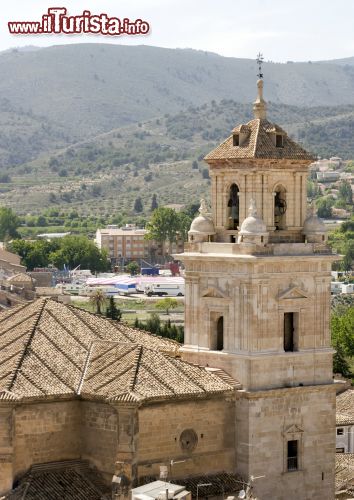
259, 144
49, 349
21, 278
71, 480
345, 408
344, 472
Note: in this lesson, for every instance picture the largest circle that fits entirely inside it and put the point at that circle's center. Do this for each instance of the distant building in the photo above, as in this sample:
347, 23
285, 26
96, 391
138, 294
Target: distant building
129, 243
329, 176
345, 422
10, 262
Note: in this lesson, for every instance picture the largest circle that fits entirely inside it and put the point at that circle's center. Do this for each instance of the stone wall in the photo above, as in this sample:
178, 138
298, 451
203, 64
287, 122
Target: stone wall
160, 433
99, 436
253, 297
265, 421
46, 432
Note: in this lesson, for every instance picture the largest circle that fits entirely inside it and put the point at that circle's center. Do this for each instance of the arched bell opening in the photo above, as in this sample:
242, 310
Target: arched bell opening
233, 207
280, 207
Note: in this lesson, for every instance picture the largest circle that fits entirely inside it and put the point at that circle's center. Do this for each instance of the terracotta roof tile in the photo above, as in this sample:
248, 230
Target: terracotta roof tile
49, 349
72, 480
345, 408
259, 144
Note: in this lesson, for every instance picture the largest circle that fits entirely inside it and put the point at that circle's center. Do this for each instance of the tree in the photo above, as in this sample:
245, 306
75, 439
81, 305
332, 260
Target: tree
324, 207
166, 304
133, 268
153, 324
9, 223
112, 310
342, 328
340, 364
163, 225
345, 192
184, 224
79, 250
154, 204
97, 300
138, 205
347, 262
34, 253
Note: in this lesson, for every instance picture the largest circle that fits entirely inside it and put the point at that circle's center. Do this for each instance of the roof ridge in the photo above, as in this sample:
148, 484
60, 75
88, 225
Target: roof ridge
137, 360
39, 313
84, 371
258, 123
131, 344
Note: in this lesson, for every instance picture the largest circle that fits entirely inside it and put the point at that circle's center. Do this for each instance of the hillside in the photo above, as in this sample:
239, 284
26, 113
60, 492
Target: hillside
105, 174
88, 89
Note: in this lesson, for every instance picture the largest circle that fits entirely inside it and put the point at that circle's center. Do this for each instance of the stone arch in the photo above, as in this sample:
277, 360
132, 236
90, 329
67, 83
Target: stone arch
280, 206
233, 206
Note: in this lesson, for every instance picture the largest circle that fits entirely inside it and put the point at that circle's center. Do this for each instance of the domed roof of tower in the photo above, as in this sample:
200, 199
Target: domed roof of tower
259, 138
313, 224
253, 224
202, 224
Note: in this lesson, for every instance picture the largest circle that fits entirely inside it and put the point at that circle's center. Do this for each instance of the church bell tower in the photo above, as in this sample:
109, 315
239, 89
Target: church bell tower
257, 305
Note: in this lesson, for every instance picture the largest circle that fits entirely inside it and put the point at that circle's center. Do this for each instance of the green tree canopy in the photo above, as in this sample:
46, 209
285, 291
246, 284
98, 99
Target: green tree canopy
166, 304
345, 192
70, 251
9, 223
324, 207
98, 299
138, 205
79, 250
133, 268
112, 310
163, 225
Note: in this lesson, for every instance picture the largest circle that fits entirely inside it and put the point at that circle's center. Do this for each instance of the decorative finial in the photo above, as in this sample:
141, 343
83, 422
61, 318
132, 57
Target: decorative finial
259, 105
203, 209
252, 211
260, 60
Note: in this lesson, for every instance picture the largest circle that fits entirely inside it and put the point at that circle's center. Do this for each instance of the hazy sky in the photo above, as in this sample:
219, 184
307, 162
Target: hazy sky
298, 30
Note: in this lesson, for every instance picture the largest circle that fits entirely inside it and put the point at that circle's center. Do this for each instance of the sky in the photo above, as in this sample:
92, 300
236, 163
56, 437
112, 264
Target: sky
283, 30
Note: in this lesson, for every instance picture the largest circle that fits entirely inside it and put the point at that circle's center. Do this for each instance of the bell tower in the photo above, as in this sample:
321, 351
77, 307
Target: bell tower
257, 305
259, 161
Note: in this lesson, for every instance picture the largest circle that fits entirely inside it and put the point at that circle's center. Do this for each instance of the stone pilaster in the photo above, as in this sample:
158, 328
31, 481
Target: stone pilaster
6, 448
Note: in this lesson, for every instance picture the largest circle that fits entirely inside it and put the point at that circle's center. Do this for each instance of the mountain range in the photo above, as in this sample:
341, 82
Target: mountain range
84, 112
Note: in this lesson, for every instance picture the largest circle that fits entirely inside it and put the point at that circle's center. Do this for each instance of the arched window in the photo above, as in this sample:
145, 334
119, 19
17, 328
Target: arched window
279, 207
220, 334
233, 207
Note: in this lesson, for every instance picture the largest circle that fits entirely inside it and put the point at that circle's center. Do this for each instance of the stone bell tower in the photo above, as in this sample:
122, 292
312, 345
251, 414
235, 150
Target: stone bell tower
257, 305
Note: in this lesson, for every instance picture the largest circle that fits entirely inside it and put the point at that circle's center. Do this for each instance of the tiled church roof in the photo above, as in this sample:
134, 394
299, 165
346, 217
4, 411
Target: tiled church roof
259, 144
69, 480
345, 408
49, 349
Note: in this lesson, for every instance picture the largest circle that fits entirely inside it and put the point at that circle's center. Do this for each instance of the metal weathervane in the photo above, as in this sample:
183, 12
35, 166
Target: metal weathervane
260, 60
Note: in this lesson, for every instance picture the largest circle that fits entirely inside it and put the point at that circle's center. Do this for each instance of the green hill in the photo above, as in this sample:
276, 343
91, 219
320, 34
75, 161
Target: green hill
106, 173
93, 88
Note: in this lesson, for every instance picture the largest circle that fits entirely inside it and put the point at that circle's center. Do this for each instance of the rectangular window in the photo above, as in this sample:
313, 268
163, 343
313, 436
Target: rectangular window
279, 141
339, 450
236, 140
340, 432
292, 455
288, 331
